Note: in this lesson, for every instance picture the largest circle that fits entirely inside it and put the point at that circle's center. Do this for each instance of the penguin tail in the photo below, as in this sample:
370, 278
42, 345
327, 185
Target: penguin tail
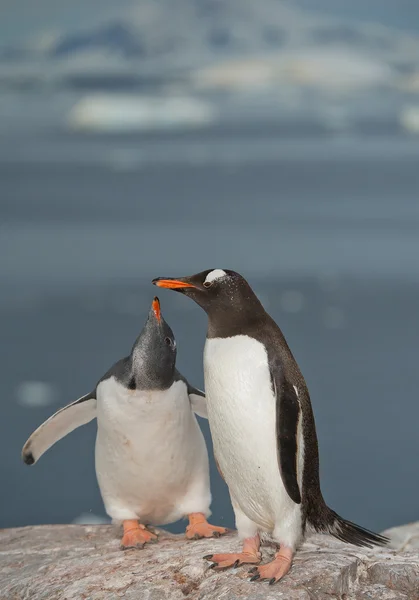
346, 531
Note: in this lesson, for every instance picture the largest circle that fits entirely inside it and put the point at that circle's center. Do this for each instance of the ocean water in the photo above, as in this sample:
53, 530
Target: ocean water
325, 229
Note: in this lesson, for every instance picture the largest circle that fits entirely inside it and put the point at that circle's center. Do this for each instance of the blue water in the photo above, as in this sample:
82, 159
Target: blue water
326, 231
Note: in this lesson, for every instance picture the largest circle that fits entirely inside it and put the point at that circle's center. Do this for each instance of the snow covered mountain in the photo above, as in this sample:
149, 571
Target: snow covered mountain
163, 35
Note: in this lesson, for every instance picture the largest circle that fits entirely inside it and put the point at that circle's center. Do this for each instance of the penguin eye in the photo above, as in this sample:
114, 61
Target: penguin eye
168, 341
207, 284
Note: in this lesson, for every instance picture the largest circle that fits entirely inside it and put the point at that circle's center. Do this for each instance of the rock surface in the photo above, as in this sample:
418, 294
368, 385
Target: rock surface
83, 562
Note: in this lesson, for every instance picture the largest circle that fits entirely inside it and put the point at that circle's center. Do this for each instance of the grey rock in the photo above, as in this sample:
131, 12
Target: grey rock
404, 538
84, 562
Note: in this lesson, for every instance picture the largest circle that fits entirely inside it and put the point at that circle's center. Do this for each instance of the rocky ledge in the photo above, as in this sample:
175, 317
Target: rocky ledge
82, 562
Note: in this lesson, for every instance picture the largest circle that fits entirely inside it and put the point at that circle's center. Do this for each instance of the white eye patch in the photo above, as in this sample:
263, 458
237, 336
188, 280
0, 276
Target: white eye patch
213, 275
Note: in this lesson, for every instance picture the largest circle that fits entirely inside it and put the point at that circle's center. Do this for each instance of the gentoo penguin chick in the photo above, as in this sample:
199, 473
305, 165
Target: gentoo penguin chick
262, 426
151, 458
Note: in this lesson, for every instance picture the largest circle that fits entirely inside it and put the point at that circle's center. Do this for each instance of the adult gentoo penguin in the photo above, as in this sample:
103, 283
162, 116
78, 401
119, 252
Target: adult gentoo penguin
262, 426
151, 458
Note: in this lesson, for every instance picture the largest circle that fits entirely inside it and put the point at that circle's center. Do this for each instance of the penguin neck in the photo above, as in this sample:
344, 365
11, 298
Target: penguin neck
240, 319
148, 373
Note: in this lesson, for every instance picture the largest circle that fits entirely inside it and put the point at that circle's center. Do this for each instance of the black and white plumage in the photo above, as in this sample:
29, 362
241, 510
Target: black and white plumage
261, 418
151, 457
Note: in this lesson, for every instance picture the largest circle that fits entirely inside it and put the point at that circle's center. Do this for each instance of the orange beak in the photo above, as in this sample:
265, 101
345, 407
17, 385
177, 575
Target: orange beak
173, 284
155, 305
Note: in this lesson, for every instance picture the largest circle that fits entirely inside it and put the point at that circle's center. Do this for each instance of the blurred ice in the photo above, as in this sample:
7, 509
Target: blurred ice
35, 394
116, 112
409, 118
90, 519
338, 70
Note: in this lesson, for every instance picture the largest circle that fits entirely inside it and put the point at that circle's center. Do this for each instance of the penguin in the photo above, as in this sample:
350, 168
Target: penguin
150, 456
262, 426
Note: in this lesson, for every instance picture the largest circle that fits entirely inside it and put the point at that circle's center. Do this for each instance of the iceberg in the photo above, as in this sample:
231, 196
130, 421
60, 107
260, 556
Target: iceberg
121, 113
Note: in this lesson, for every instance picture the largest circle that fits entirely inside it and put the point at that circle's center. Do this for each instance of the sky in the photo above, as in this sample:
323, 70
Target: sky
23, 19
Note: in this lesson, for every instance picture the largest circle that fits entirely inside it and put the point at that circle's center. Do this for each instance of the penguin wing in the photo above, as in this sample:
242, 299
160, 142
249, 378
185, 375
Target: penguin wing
59, 425
288, 413
196, 397
198, 402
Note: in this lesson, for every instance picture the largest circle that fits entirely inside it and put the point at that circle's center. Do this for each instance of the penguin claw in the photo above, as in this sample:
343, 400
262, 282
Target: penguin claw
133, 547
208, 556
277, 568
212, 566
137, 537
226, 561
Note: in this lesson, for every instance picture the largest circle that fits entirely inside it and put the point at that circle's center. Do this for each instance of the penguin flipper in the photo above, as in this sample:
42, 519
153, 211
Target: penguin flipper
198, 403
61, 423
288, 413
196, 397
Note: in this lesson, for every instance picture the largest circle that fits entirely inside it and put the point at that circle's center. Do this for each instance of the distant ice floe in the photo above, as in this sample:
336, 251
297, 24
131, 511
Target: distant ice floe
328, 70
126, 113
90, 519
409, 119
35, 394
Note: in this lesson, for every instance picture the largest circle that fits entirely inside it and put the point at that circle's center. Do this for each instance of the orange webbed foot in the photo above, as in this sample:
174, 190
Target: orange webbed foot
276, 569
225, 561
200, 528
136, 535
249, 555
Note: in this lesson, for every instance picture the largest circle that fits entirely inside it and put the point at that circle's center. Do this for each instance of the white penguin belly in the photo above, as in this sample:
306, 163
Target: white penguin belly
151, 458
242, 417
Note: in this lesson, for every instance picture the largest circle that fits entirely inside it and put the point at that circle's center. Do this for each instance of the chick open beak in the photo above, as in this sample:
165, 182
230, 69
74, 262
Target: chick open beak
155, 305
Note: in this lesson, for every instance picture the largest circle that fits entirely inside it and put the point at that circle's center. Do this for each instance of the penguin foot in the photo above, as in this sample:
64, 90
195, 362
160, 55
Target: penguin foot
225, 561
136, 535
249, 556
200, 528
275, 570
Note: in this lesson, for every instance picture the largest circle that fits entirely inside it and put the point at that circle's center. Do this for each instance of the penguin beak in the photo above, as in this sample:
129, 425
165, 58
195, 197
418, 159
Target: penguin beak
155, 305
173, 284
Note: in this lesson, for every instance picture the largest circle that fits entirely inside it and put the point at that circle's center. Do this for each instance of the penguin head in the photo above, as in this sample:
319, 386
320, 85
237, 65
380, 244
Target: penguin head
154, 352
215, 290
